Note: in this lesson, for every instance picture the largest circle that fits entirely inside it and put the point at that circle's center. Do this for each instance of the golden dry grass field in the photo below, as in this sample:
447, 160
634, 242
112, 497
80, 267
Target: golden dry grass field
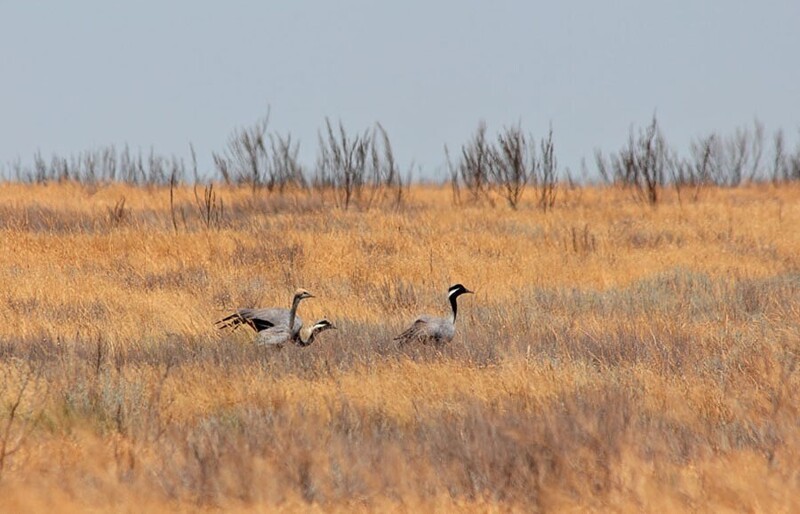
614, 357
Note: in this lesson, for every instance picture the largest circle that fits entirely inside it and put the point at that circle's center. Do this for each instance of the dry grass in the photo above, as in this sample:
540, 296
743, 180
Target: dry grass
615, 356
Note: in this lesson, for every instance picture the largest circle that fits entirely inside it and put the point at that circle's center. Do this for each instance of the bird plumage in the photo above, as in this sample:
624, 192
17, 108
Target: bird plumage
433, 329
265, 319
280, 335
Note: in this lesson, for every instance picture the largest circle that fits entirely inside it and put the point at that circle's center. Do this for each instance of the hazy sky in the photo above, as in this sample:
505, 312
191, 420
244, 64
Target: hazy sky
81, 75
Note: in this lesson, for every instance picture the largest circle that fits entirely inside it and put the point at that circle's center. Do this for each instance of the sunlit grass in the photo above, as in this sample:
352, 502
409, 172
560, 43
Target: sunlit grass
615, 356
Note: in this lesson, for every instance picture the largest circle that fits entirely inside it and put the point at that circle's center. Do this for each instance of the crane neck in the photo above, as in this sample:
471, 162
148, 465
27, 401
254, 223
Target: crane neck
454, 306
293, 312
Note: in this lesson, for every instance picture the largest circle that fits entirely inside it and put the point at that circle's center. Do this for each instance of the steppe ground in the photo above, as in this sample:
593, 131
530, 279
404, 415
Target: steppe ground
615, 357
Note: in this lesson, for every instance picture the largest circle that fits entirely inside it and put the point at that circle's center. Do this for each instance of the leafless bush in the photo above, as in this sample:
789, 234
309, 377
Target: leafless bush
643, 164
211, 212
258, 159
514, 163
785, 166
285, 166
474, 168
360, 169
742, 154
342, 163
728, 161
103, 165
702, 169
40, 168
245, 159
506, 167
792, 168
647, 163
386, 180
546, 180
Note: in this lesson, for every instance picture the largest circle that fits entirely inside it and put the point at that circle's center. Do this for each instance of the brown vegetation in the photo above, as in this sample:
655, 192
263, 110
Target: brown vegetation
615, 356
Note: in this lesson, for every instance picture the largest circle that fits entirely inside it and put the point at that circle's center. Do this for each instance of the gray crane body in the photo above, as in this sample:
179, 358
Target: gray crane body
433, 329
